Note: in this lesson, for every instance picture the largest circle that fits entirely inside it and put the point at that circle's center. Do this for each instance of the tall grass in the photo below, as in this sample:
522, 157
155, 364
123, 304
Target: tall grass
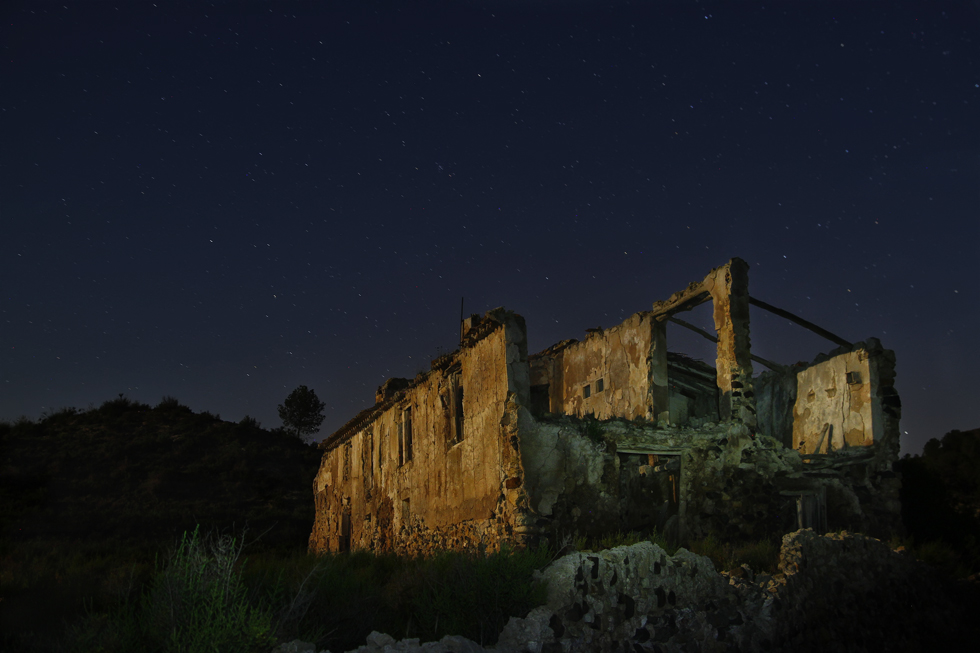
470, 595
197, 603
207, 599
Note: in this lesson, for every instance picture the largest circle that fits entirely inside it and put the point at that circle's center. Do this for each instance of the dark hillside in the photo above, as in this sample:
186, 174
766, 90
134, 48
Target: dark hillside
941, 499
92, 501
130, 474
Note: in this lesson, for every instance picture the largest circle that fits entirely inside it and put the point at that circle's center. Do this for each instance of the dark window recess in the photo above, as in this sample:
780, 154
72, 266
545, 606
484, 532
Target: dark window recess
458, 414
401, 443
587, 391
599, 386
540, 400
344, 543
407, 421
382, 441
853, 378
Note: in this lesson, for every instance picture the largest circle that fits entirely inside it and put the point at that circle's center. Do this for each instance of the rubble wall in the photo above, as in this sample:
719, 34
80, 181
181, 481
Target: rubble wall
839, 592
450, 493
776, 396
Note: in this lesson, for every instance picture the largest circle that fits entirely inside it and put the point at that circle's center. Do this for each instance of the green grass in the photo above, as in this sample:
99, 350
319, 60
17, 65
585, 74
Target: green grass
197, 603
206, 596
89, 500
208, 591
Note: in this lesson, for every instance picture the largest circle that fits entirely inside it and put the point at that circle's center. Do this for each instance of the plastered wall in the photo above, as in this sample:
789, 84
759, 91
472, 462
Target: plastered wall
836, 405
448, 491
613, 367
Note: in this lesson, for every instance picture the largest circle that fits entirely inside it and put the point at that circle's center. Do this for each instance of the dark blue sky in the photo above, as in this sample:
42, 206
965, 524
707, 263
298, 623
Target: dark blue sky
222, 201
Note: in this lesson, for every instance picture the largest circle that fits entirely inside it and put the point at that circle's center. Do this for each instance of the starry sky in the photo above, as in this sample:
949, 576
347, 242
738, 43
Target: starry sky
220, 201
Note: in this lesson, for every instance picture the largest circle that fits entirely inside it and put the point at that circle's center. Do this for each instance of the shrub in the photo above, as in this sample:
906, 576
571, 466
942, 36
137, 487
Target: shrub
593, 430
943, 557
761, 556
169, 403
473, 595
718, 552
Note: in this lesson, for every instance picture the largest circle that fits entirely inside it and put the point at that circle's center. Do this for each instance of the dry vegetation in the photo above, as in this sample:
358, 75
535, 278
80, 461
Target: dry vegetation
131, 528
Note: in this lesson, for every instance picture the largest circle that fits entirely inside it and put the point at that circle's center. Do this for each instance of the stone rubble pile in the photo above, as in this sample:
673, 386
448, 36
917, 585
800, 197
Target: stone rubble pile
837, 592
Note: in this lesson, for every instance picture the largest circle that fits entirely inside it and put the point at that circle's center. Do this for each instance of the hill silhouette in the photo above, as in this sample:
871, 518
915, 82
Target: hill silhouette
92, 501
130, 474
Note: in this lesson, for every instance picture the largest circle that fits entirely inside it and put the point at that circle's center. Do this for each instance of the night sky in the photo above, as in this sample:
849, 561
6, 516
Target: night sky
222, 201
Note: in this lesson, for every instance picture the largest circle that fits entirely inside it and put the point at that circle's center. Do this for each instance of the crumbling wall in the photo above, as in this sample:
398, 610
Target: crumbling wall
571, 480
589, 477
410, 477
609, 374
611, 433
836, 407
730, 486
775, 397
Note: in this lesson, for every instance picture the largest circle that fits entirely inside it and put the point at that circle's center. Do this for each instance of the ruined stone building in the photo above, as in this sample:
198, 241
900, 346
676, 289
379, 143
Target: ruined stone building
615, 433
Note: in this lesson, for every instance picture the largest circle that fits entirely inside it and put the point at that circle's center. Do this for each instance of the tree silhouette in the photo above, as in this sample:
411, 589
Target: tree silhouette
302, 412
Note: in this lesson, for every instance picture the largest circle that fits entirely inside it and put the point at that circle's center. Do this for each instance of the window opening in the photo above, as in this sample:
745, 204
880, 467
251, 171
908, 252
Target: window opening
540, 399
401, 444
407, 432
344, 543
457, 411
587, 391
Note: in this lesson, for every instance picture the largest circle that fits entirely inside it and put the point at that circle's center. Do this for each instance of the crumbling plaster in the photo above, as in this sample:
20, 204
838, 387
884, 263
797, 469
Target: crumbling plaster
611, 442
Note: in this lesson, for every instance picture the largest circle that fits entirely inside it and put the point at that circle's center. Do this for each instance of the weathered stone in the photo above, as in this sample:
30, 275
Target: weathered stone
464, 457
297, 646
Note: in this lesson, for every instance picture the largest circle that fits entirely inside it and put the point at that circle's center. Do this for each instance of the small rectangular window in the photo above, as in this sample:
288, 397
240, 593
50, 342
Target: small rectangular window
587, 391
853, 378
599, 386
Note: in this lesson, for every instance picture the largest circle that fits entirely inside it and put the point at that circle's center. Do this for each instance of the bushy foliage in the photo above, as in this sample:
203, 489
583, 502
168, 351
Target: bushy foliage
87, 498
337, 600
472, 595
593, 430
204, 599
196, 604
956, 460
940, 501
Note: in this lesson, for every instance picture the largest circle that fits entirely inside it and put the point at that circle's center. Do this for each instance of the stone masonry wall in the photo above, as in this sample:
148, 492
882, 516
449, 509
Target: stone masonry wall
452, 491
